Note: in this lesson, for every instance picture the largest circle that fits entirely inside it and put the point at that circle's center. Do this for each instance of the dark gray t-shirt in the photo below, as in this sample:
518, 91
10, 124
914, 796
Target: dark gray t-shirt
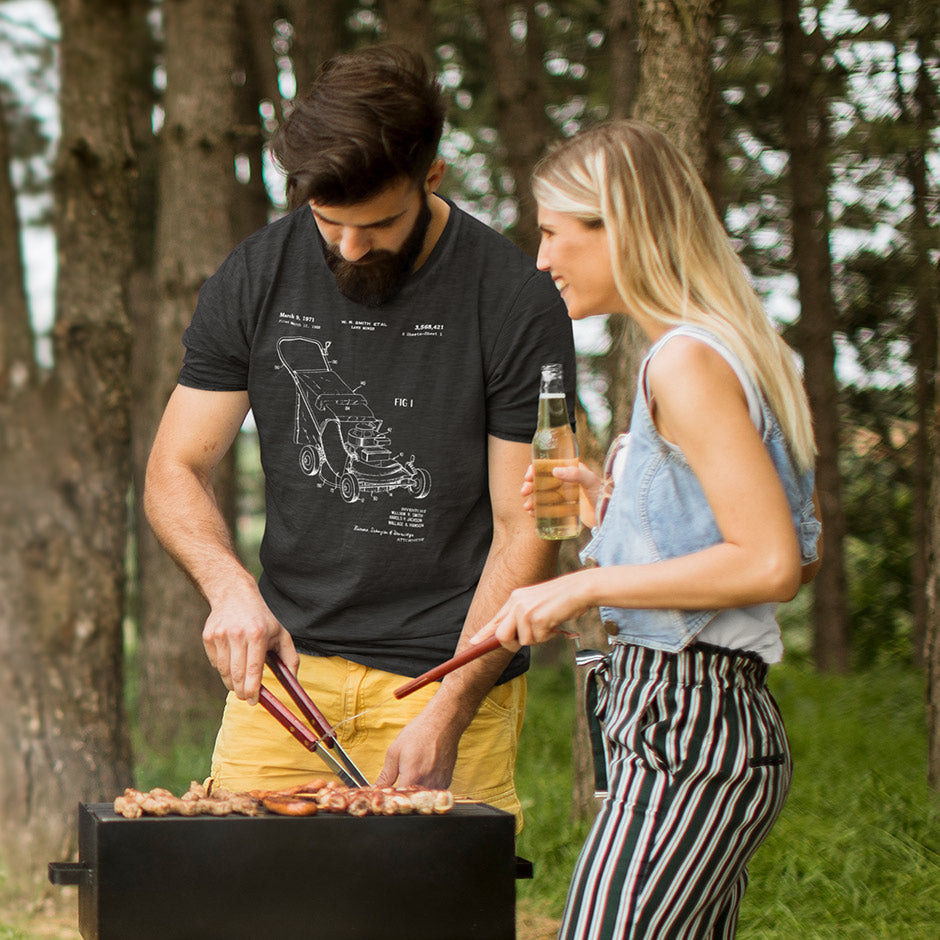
373, 426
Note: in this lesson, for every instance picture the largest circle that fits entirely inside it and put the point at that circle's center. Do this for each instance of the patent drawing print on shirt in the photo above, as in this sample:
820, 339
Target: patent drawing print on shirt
342, 444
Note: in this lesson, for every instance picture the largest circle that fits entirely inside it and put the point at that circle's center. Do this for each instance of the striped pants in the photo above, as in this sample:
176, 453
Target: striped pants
698, 770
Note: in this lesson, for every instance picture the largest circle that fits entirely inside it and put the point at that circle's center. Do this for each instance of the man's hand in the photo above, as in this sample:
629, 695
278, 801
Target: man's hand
237, 636
424, 754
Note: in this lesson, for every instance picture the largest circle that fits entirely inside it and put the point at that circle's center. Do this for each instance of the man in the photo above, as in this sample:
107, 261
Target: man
389, 348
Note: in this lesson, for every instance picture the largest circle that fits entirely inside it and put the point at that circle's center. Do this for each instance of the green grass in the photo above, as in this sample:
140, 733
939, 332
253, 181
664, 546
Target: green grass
550, 839
856, 852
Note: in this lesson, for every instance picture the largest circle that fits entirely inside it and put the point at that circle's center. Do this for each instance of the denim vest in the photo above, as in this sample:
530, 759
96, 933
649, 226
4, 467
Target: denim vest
658, 510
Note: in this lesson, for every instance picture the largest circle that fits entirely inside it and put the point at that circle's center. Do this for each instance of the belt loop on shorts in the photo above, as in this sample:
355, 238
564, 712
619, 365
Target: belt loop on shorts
595, 661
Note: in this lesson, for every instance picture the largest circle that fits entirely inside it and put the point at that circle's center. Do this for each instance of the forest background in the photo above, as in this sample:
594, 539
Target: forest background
133, 158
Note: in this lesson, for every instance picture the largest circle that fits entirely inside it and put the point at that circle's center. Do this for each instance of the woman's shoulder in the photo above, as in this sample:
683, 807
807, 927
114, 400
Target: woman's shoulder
688, 384
684, 354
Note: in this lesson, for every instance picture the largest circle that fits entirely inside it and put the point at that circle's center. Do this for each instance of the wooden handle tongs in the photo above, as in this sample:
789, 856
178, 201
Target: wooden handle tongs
324, 742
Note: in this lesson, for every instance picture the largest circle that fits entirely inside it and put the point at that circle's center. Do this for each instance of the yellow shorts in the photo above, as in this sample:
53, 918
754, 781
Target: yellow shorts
253, 752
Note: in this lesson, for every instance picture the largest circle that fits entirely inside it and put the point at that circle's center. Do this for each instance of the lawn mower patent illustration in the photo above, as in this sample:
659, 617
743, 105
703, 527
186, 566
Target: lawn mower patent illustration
341, 441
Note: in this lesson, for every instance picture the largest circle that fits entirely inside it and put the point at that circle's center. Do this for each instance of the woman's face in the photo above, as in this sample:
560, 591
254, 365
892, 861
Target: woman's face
578, 257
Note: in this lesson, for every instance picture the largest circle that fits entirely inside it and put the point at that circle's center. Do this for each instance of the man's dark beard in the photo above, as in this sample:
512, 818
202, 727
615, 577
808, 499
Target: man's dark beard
377, 278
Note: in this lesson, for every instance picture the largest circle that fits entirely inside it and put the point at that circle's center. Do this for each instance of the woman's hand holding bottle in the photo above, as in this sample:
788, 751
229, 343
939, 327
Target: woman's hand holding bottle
590, 483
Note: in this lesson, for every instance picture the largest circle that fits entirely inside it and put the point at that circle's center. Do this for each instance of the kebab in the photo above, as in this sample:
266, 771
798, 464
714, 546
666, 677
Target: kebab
319, 796
302, 800
196, 801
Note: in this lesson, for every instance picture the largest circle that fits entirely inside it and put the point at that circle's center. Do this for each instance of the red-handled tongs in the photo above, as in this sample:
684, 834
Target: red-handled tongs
438, 672
461, 659
342, 764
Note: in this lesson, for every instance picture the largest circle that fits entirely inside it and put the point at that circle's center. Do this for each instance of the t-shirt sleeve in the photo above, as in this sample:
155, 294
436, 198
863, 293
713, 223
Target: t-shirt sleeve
536, 331
216, 341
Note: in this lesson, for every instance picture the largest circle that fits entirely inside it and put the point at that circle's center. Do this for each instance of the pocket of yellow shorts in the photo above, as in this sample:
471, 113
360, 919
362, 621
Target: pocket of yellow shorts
487, 756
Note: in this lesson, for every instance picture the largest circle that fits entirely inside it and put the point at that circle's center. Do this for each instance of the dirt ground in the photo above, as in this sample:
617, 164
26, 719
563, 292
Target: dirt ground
57, 919
532, 926
53, 919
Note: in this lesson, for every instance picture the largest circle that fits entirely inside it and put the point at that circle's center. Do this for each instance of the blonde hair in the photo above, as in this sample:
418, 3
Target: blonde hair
672, 258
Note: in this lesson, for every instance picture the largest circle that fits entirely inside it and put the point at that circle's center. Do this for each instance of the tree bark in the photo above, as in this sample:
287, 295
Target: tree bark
410, 22
619, 365
17, 364
926, 572
64, 472
932, 639
258, 82
920, 119
318, 36
624, 58
675, 71
671, 83
805, 126
524, 127
179, 689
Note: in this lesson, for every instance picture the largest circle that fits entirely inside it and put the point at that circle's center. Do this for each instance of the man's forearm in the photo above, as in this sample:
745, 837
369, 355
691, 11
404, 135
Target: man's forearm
514, 563
186, 520
196, 431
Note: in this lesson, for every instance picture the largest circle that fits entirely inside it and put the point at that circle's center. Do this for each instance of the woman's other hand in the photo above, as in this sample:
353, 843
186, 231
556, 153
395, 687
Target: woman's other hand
589, 482
535, 613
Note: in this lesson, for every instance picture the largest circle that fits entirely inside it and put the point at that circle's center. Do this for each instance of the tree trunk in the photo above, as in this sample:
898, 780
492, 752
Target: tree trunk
926, 574
624, 58
180, 691
805, 126
410, 23
17, 363
925, 331
142, 53
932, 640
675, 71
520, 106
318, 36
255, 68
64, 472
672, 93
619, 365
250, 203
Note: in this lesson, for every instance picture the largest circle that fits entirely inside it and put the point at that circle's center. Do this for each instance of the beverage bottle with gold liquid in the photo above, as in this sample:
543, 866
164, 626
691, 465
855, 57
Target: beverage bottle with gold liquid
557, 502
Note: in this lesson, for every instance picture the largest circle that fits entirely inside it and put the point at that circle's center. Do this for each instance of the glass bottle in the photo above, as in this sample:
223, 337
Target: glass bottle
557, 502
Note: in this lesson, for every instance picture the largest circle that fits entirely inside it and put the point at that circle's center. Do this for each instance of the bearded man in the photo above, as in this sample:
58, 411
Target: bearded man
389, 348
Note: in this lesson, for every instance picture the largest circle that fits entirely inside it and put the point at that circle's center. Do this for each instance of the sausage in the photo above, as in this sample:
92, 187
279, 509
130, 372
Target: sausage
290, 805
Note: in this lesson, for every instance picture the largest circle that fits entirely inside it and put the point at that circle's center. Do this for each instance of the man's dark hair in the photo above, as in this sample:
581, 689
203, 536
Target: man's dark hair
371, 117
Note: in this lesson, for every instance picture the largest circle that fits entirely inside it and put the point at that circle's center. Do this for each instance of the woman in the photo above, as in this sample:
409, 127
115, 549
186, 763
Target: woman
711, 524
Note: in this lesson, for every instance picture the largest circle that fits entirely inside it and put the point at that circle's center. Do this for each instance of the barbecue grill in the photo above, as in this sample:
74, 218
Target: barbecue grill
444, 877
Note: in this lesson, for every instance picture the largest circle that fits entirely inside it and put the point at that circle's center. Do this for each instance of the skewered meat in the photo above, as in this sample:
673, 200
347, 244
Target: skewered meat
305, 799
196, 801
358, 801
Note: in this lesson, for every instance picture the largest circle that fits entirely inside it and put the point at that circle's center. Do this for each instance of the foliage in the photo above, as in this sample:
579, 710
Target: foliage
27, 89
876, 470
